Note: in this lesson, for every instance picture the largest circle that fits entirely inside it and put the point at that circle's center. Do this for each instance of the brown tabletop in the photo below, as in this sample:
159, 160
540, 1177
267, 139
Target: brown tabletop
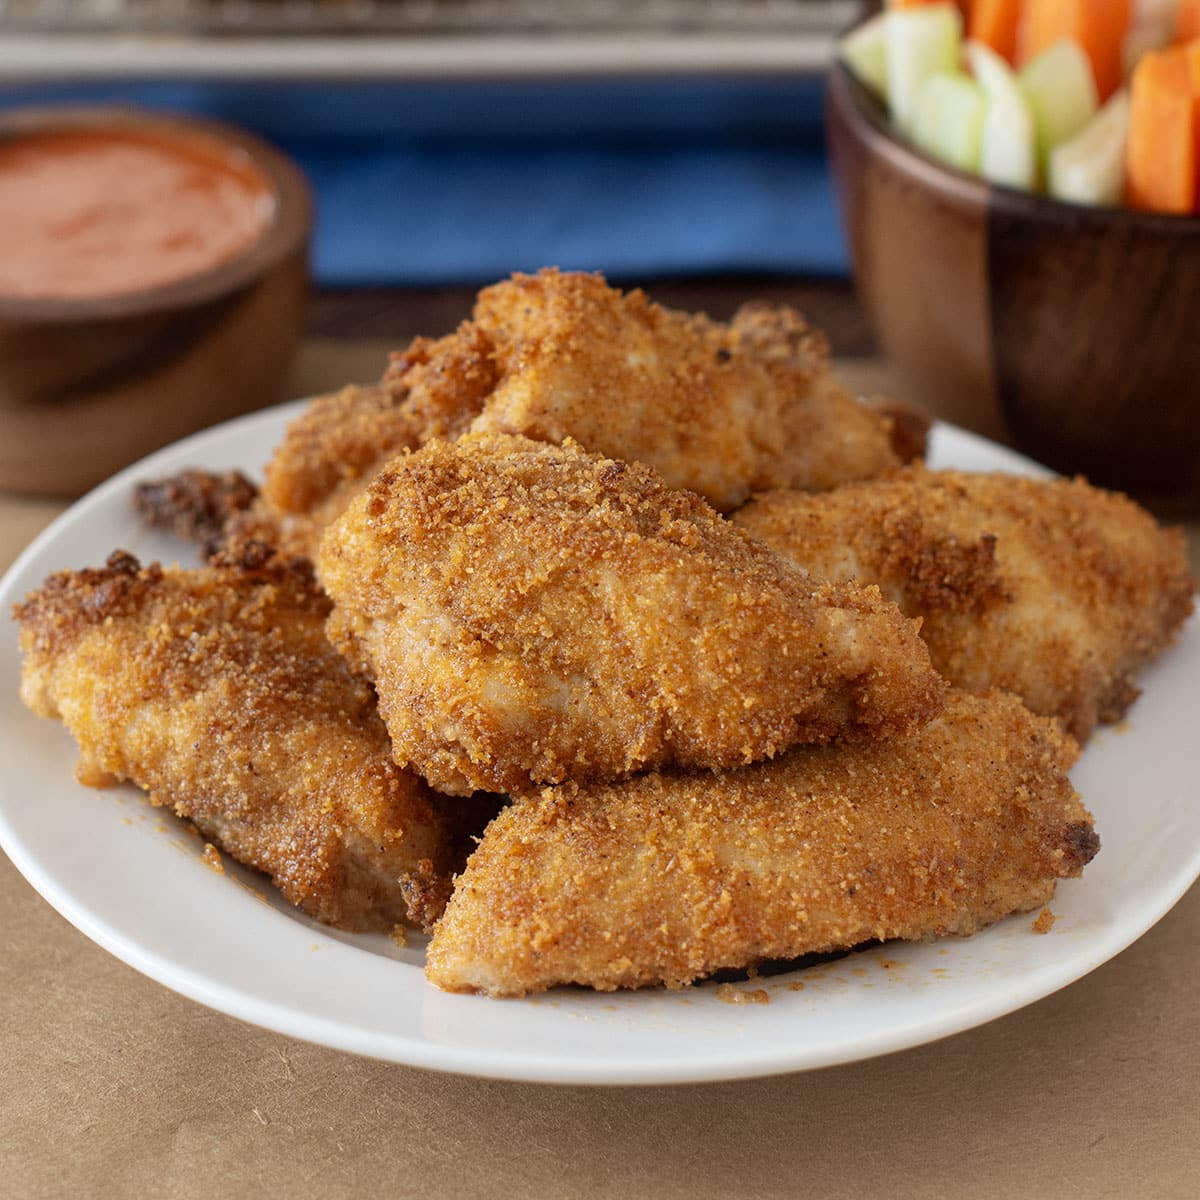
116, 1087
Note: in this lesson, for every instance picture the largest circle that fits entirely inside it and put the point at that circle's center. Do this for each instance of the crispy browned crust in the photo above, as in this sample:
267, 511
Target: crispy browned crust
329, 452
909, 428
445, 382
720, 409
337, 437
195, 505
217, 691
532, 613
668, 878
432, 389
1051, 589
221, 512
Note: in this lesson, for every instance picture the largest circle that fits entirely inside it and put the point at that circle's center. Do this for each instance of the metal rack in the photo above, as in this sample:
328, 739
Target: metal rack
377, 38
414, 17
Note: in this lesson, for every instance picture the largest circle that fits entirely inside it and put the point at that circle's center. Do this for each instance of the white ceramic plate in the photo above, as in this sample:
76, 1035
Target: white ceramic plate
131, 878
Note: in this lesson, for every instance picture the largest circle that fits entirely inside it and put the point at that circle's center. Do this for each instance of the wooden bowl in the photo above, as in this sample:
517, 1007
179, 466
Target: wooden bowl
88, 385
1072, 332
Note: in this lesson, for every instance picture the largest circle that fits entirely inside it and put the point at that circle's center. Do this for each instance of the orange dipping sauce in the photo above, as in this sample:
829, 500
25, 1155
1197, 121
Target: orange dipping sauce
88, 213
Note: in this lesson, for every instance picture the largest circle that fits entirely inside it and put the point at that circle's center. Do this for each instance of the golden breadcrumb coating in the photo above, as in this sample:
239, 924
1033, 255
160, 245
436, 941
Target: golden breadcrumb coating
532, 613
335, 439
1051, 589
217, 691
668, 878
720, 409
433, 389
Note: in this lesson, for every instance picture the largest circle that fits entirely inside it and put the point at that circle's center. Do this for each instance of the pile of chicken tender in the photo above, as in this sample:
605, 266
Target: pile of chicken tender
615, 646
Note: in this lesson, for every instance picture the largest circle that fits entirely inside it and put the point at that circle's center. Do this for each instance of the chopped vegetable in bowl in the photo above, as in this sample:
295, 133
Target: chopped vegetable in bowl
1090, 101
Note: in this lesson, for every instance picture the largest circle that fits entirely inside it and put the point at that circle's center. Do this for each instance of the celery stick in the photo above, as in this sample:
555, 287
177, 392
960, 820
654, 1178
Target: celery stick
864, 51
1090, 168
948, 120
920, 42
1061, 90
1009, 152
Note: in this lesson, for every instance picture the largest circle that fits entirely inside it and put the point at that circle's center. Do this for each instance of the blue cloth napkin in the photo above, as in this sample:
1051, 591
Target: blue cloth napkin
464, 183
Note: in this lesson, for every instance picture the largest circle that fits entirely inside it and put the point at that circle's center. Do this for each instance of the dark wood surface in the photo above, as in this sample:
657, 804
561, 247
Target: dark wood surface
401, 313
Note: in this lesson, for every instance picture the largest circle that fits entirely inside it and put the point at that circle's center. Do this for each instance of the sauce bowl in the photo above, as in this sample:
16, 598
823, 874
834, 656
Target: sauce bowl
90, 383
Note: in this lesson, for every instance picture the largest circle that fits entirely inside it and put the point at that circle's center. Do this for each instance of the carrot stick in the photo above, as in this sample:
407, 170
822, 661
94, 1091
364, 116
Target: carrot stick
901, 5
1192, 50
1099, 26
1161, 155
994, 22
1193, 60
1187, 21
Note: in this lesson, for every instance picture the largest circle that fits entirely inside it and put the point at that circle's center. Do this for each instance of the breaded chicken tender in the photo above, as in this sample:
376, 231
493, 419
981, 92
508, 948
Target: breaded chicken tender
532, 613
668, 878
217, 692
720, 409
1051, 589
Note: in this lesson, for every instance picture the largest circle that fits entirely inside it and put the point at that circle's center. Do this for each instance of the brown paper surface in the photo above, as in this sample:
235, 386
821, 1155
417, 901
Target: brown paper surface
114, 1086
